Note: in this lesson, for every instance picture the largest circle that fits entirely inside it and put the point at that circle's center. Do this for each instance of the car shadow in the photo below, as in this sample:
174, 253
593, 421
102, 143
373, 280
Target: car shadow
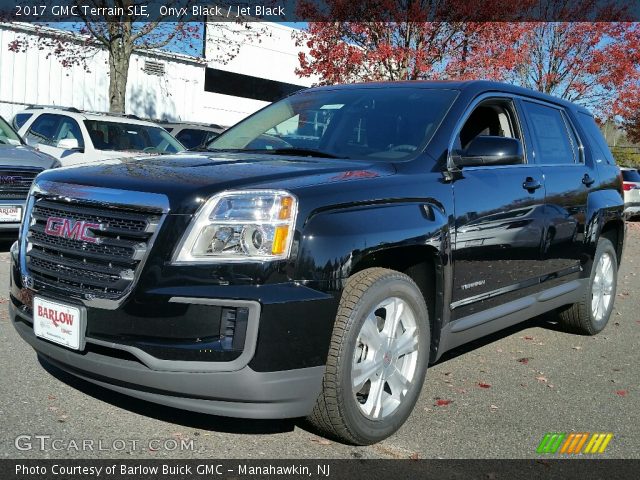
203, 421
200, 421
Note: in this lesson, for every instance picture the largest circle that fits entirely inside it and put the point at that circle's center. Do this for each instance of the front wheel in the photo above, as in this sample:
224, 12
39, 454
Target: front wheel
590, 315
377, 358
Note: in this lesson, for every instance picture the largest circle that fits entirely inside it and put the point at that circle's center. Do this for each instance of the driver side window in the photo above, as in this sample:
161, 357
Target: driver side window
495, 118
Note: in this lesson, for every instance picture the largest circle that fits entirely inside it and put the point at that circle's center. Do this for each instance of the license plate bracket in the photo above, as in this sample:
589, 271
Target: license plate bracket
60, 322
10, 214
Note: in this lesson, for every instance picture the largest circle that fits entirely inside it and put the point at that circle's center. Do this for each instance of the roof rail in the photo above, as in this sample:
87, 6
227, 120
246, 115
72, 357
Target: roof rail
114, 114
54, 107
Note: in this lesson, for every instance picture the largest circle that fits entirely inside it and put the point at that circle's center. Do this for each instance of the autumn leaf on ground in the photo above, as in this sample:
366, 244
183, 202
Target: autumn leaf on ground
577, 347
493, 408
321, 441
484, 385
542, 379
414, 456
523, 360
528, 337
442, 403
622, 393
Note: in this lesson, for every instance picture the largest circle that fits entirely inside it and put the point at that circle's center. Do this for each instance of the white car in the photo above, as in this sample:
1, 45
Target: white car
194, 136
631, 187
74, 136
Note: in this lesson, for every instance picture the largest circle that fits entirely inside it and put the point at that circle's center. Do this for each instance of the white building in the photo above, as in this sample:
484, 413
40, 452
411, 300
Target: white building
161, 85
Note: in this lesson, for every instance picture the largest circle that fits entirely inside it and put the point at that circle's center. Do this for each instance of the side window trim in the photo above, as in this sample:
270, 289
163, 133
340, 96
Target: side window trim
574, 137
520, 126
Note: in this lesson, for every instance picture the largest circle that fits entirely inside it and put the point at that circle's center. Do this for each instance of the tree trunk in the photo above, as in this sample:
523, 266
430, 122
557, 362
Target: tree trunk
119, 58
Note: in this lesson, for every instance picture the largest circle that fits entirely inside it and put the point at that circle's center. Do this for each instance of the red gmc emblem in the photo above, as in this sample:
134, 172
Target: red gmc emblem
71, 229
9, 179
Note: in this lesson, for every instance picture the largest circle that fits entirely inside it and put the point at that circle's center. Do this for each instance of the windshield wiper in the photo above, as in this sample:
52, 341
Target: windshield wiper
301, 152
293, 151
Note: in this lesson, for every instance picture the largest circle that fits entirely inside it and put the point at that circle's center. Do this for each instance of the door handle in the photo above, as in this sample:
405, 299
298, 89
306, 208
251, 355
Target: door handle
587, 180
531, 184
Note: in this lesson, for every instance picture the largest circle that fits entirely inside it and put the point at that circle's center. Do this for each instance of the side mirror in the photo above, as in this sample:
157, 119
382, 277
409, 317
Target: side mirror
68, 144
488, 150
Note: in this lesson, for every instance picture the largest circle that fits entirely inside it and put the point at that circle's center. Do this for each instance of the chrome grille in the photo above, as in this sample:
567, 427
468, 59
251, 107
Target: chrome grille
15, 184
104, 269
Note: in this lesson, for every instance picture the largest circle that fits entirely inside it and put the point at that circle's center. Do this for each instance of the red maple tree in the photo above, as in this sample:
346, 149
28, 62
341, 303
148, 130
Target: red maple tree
594, 63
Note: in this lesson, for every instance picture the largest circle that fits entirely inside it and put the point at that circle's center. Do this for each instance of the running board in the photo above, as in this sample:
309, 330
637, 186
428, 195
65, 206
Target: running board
483, 323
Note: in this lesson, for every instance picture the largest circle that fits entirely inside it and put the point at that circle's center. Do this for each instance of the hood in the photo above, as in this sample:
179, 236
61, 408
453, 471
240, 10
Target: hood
188, 178
25, 156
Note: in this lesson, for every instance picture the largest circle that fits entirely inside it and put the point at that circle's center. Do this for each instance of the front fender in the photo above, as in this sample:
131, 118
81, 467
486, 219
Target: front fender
333, 241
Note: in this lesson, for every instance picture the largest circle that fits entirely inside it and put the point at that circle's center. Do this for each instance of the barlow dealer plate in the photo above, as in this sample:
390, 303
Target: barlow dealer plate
59, 323
11, 214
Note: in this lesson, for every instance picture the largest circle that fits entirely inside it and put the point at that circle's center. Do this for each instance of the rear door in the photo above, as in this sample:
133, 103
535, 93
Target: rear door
499, 218
568, 177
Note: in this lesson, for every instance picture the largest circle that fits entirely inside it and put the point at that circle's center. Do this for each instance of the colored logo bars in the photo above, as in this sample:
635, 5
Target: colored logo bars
574, 443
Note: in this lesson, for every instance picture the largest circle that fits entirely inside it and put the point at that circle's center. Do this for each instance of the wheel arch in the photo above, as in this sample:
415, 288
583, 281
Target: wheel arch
423, 264
605, 217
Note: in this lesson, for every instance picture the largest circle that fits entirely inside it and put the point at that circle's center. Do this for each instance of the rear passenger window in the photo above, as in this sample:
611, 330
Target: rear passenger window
555, 142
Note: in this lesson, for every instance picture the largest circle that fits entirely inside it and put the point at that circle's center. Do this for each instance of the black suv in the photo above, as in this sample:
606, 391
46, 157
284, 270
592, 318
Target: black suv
323, 252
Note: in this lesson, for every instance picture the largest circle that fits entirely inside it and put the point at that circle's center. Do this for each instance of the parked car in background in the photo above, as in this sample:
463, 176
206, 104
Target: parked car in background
19, 165
631, 187
75, 136
193, 136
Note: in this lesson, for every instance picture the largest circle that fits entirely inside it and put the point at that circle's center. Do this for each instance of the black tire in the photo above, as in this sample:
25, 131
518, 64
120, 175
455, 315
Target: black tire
579, 317
337, 413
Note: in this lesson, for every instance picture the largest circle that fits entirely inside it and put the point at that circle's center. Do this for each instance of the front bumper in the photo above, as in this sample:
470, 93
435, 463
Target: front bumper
278, 373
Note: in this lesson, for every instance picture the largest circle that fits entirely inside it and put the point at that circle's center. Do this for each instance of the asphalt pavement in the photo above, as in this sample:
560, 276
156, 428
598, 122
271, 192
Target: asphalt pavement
495, 398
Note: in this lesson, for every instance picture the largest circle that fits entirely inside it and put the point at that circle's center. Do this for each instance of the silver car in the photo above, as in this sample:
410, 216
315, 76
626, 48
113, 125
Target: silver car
631, 186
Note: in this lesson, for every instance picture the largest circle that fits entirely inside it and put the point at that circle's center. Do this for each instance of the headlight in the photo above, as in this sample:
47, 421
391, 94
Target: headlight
242, 225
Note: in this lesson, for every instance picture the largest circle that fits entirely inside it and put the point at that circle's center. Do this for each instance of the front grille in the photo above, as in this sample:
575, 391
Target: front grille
69, 264
15, 184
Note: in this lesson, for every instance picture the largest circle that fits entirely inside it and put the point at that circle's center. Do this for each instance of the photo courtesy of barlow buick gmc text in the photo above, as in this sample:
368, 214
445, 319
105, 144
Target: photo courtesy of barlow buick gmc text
319, 239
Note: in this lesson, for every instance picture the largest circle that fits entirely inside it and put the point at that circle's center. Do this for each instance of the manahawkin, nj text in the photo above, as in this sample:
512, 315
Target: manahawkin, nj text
320, 470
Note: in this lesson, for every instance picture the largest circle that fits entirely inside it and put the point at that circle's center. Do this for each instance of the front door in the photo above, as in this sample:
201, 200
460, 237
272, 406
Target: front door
499, 218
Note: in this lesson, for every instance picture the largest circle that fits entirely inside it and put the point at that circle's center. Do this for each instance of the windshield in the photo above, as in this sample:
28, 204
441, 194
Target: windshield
7, 135
390, 124
120, 136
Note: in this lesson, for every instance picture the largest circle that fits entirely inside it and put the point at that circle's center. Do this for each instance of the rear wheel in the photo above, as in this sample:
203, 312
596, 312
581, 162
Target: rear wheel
377, 359
590, 315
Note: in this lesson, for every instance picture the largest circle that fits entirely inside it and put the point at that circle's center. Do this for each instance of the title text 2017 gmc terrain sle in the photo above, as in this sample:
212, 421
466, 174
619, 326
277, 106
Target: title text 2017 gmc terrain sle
323, 252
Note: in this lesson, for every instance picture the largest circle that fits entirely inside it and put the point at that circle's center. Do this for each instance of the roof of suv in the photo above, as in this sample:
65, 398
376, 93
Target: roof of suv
83, 115
198, 125
465, 86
